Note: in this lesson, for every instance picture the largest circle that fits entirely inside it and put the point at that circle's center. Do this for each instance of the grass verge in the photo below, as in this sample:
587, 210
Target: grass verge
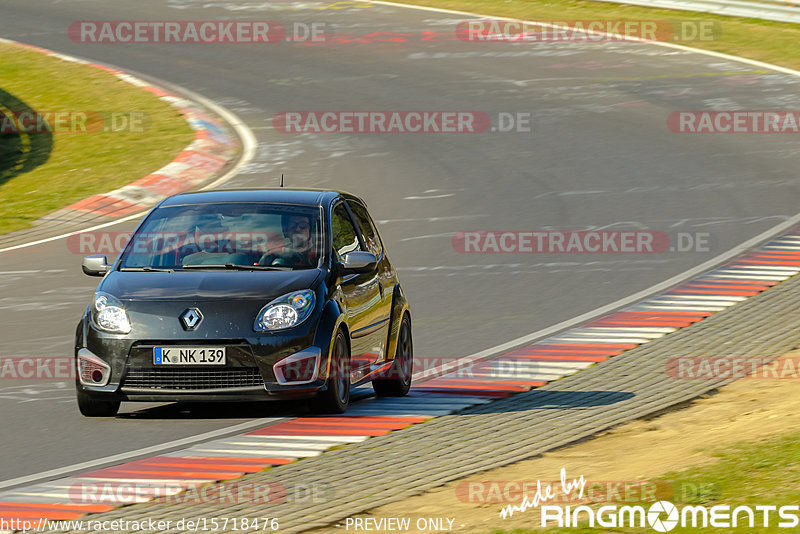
772, 42
43, 171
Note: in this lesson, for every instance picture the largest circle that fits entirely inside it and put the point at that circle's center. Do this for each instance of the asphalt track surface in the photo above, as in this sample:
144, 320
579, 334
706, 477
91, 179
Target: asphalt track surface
598, 155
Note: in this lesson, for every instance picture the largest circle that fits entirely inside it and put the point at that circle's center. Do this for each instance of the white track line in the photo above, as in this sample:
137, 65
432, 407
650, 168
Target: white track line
727, 300
294, 447
667, 307
93, 464
506, 365
633, 329
746, 278
291, 438
712, 303
632, 341
792, 270
768, 272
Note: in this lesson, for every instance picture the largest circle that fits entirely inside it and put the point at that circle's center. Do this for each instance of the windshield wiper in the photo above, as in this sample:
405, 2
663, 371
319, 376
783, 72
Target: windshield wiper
147, 269
237, 267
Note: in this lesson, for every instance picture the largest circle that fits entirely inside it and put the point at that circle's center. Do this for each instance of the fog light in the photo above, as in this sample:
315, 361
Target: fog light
299, 368
92, 371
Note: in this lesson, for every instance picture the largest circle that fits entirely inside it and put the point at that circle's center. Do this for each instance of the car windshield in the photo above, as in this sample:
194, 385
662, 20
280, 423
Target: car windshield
241, 236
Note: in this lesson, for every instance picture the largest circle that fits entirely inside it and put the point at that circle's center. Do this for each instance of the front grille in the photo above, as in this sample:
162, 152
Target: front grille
193, 379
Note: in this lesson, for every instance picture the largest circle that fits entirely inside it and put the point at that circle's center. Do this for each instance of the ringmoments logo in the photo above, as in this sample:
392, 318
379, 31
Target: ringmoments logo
661, 516
664, 516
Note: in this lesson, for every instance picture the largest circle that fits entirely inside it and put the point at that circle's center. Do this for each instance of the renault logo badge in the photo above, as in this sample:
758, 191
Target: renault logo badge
191, 318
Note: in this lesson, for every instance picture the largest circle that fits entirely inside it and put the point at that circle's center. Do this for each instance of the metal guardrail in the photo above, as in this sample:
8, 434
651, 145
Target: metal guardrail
777, 10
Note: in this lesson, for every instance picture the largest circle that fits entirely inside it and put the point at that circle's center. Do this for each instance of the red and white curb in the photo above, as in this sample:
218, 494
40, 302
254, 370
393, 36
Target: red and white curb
577, 348
518, 370
220, 460
200, 161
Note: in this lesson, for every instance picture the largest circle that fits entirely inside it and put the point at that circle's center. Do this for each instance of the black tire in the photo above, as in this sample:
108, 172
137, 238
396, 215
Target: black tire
92, 407
335, 398
399, 381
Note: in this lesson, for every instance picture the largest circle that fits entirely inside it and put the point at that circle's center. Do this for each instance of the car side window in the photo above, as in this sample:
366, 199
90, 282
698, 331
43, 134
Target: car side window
345, 238
368, 230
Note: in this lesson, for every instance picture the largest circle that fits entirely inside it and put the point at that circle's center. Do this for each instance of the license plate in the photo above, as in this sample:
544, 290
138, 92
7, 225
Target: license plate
189, 355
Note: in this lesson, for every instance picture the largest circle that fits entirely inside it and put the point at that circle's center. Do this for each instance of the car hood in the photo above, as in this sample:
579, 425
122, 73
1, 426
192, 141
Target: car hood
207, 285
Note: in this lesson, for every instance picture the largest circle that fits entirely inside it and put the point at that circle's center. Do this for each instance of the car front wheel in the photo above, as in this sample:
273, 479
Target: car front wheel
92, 407
335, 398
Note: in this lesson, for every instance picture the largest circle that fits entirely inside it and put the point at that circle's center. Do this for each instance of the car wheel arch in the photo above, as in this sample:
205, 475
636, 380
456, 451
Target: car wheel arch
400, 309
335, 316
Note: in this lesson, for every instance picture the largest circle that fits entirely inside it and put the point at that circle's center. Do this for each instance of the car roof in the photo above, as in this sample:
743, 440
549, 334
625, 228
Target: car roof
308, 197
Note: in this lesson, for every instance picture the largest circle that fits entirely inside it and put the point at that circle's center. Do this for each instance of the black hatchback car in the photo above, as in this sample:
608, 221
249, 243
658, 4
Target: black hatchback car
245, 295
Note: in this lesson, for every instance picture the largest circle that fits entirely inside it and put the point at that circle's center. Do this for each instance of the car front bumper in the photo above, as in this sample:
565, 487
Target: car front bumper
249, 372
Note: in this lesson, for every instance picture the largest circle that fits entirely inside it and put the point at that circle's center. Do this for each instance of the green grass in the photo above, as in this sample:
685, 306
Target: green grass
39, 172
773, 42
765, 473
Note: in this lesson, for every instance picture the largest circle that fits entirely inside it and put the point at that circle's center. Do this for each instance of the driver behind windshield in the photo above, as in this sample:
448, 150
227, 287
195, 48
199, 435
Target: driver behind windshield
212, 248
300, 250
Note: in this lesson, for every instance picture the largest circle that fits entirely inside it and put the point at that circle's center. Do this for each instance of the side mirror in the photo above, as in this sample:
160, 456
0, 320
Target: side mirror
358, 262
95, 265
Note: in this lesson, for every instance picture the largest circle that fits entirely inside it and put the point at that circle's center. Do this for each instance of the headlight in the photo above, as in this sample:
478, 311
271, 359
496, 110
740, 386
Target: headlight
285, 312
108, 314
